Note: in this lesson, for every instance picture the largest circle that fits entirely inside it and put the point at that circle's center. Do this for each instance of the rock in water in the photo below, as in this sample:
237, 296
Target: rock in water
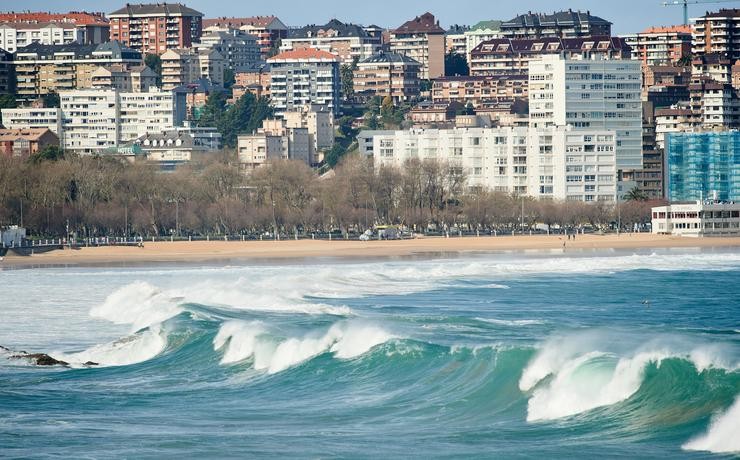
41, 359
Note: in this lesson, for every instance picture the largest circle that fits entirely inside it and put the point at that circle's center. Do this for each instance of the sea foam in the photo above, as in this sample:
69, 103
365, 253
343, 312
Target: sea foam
722, 436
241, 340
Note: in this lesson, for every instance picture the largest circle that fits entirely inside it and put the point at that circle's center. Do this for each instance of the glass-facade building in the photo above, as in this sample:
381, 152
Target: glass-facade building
700, 165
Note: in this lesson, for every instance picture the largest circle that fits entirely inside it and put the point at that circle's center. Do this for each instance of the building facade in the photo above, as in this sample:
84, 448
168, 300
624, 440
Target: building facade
423, 40
387, 74
302, 77
348, 41
660, 45
553, 163
185, 66
479, 33
33, 118
238, 49
703, 218
717, 32
43, 69
256, 81
455, 40
564, 24
274, 141
94, 27
319, 121
702, 165
512, 56
479, 91
269, 30
153, 28
125, 78
96, 120
15, 35
590, 94
25, 142
7, 73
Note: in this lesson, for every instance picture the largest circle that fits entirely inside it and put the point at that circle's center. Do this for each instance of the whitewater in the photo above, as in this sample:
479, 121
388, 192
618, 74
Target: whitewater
632, 354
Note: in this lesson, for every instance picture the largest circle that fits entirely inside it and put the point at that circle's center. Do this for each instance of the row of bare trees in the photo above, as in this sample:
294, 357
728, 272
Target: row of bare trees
92, 196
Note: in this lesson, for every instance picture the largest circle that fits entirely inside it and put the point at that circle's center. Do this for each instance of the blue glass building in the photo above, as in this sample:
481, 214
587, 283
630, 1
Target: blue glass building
698, 165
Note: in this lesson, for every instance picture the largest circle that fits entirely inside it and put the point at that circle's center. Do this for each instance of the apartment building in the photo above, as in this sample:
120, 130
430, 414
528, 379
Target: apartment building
348, 41
714, 105
94, 27
15, 35
42, 69
95, 120
479, 33
24, 142
170, 148
649, 179
590, 94
479, 91
455, 40
269, 30
562, 24
423, 40
274, 141
319, 121
706, 217
7, 74
256, 81
672, 120
714, 66
387, 74
507, 56
717, 32
238, 49
33, 118
660, 45
185, 66
702, 165
153, 28
555, 163
125, 78
302, 77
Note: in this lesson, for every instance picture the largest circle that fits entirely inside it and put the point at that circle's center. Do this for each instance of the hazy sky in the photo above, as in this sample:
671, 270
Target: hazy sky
627, 15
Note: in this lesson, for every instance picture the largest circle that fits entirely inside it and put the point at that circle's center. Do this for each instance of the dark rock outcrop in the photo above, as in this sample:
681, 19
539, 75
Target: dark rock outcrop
41, 359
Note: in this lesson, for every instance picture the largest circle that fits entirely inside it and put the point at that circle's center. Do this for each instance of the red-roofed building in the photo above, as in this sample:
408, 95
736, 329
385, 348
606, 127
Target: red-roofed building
93, 27
269, 30
156, 27
717, 32
304, 76
660, 45
26, 141
423, 40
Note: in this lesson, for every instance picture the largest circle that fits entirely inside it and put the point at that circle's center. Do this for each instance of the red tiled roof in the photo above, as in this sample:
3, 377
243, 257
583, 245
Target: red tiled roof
304, 53
76, 17
661, 30
426, 23
255, 21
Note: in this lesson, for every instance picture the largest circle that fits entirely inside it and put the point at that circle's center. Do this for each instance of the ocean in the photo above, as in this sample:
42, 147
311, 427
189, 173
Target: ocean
509, 355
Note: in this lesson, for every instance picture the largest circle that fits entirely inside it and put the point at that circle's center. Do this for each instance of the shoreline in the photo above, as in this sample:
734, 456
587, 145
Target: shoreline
214, 251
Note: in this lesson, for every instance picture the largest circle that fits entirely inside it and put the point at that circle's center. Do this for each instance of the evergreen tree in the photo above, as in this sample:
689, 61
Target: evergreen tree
455, 64
154, 62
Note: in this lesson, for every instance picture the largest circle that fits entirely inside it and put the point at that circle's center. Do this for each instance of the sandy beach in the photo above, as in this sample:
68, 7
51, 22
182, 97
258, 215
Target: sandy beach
250, 250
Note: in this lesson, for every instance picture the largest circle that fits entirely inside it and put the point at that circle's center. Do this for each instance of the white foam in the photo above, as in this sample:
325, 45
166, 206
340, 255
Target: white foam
243, 340
511, 322
593, 370
137, 304
136, 348
722, 436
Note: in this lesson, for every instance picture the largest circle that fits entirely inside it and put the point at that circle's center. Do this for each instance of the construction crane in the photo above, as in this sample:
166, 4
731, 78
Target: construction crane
686, 3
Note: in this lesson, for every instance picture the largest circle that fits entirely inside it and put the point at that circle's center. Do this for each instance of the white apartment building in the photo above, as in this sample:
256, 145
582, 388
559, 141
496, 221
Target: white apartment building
95, 120
305, 76
555, 162
184, 66
20, 34
596, 94
24, 118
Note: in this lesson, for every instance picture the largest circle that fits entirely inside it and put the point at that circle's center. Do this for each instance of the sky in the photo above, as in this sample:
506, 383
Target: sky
627, 15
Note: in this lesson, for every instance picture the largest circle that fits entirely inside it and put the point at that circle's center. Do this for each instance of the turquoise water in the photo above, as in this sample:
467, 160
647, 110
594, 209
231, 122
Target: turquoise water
511, 355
